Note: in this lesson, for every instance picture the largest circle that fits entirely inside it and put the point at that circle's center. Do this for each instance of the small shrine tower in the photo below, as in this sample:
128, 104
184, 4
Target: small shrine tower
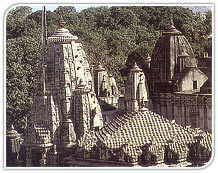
13, 145
136, 93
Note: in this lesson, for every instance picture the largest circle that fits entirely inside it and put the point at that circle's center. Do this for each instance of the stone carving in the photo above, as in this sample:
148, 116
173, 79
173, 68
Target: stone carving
105, 88
66, 114
136, 93
66, 61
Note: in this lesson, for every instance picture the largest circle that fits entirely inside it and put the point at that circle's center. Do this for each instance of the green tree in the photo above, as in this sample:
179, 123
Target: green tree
22, 62
109, 35
15, 21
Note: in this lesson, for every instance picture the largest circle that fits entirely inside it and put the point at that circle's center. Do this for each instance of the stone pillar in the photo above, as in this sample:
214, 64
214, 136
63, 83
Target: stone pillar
169, 107
114, 89
201, 117
176, 113
98, 78
179, 114
182, 114
209, 118
68, 135
161, 108
173, 108
166, 108
43, 161
185, 114
134, 105
177, 110
85, 111
153, 104
205, 117
28, 156
158, 107
188, 120
53, 157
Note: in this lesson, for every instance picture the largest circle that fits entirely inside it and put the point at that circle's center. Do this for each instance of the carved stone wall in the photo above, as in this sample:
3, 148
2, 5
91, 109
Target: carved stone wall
186, 109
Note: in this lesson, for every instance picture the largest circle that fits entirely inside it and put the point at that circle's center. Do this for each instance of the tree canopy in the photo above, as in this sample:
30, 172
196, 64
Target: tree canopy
109, 35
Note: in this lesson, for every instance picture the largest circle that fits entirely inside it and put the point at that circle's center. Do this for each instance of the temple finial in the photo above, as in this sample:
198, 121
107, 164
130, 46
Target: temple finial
61, 22
171, 20
12, 127
135, 66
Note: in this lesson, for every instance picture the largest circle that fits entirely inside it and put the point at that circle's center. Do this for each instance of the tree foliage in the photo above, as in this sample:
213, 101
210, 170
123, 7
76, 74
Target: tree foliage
109, 35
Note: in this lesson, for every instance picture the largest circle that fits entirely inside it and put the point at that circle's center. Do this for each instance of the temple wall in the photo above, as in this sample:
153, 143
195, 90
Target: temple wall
111, 101
186, 109
194, 75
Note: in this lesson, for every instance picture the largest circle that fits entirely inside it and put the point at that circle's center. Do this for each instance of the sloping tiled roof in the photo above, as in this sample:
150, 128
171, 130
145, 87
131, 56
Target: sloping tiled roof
131, 131
140, 128
40, 136
206, 141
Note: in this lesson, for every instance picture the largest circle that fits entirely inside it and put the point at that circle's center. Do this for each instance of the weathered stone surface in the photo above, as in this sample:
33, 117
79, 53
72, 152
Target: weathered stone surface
166, 58
67, 128
136, 93
105, 88
67, 108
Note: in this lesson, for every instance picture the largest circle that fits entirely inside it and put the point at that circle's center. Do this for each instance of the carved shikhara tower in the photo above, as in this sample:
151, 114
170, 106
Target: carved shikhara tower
65, 106
136, 93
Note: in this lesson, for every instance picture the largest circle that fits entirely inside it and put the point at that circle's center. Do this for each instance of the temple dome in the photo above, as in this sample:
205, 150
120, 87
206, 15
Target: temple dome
62, 34
12, 133
165, 59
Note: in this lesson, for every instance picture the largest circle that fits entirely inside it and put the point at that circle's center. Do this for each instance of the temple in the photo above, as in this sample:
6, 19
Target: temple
178, 92
80, 118
68, 108
179, 83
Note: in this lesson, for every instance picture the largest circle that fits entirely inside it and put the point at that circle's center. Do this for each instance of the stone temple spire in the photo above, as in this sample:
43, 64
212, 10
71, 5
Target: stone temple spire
136, 94
167, 50
171, 29
71, 108
62, 34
